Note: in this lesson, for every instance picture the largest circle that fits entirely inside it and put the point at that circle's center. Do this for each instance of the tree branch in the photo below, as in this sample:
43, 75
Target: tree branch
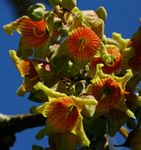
17, 123
9, 125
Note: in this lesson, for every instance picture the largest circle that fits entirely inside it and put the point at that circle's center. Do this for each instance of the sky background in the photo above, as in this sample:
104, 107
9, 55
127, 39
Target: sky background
123, 17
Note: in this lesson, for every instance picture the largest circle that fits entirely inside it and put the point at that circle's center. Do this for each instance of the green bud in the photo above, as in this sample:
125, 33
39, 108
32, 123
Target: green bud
54, 2
68, 4
102, 13
36, 12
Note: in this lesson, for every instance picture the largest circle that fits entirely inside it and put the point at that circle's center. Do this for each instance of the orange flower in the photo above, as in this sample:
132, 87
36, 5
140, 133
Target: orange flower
34, 33
83, 43
30, 71
109, 68
26, 68
62, 114
107, 92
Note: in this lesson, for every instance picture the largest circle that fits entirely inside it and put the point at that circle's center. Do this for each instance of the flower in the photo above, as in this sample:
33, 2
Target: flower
30, 70
107, 92
108, 67
34, 33
62, 114
83, 43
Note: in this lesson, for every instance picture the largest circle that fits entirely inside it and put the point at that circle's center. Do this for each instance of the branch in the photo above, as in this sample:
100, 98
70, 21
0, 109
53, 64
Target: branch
9, 125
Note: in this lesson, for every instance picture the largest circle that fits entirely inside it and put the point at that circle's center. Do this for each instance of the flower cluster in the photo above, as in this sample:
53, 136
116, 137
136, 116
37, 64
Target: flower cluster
81, 77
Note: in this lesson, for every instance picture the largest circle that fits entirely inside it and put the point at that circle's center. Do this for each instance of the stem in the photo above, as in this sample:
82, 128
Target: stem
59, 14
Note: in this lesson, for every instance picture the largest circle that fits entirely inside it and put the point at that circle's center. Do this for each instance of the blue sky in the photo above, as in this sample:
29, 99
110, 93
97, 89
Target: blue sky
123, 17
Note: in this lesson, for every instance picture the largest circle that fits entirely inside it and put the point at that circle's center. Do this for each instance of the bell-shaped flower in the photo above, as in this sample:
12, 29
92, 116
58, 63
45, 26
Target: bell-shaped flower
63, 113
109, 91
34, 33
30, 71
82, 43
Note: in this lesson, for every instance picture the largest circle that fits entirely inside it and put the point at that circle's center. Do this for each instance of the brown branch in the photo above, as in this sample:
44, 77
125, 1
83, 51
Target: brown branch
17, 123
9, 125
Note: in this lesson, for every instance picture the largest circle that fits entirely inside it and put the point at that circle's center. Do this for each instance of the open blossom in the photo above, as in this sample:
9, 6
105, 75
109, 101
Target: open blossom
109, 67
29, 70
107, 92
62, 114
83, 43
34, 33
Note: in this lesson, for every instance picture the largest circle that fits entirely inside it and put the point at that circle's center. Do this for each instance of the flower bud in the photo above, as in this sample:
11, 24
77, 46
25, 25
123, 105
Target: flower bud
36, 12
68, 4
